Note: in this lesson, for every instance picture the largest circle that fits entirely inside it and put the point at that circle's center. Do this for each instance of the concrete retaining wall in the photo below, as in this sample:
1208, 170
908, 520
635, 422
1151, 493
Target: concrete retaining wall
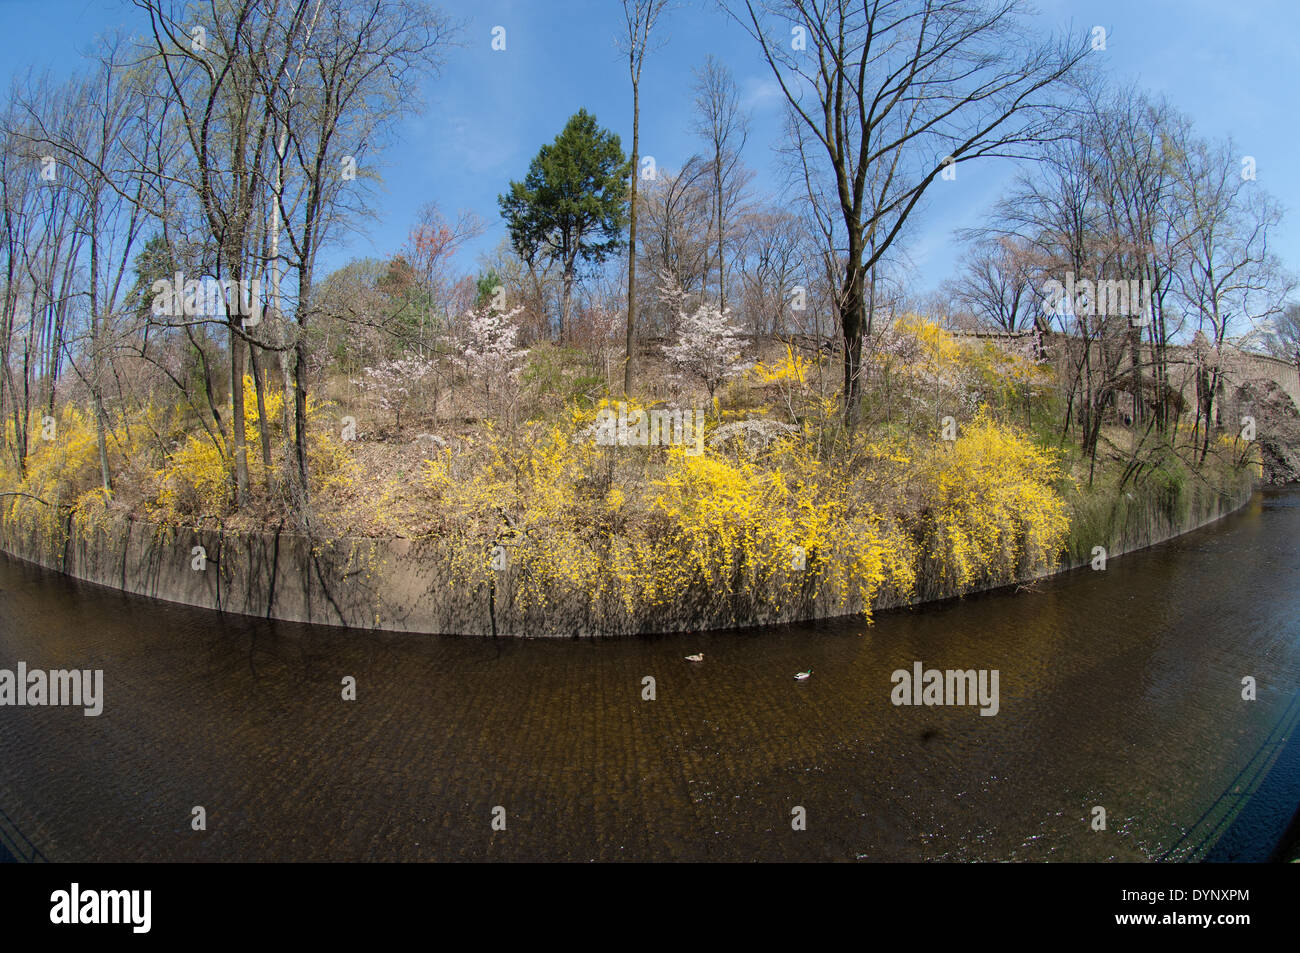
406, 585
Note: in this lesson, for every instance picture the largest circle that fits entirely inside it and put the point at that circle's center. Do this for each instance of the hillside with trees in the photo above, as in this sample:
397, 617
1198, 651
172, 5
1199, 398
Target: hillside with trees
663, 380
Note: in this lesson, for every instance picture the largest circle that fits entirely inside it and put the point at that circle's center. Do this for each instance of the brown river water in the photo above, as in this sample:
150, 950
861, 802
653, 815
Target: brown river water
1120, 689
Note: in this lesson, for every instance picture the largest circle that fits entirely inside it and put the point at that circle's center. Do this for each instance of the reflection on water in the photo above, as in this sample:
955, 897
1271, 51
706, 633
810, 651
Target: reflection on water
1119, 689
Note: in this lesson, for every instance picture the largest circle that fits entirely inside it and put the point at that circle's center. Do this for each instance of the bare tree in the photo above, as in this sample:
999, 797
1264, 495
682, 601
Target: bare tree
278, 100
98, 153
19, 197
641, 17
46, 238
1283, 339
1137, 139
996, 286
1056, 209
895, 92
725, 128
431, 247
212, 83
364, 61
774, 247
675, 219
1232, 281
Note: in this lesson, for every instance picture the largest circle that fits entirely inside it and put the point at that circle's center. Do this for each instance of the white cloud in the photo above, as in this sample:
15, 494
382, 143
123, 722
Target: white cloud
760, 92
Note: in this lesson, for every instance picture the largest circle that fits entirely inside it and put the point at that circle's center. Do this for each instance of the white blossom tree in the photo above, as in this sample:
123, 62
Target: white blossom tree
492, 357
708, 347
674, 298
394, 385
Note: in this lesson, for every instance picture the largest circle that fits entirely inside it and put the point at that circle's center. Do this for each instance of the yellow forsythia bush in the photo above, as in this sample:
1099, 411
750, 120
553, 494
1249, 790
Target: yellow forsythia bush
62, 467
992, 507
194, 479
704, 525
765, 527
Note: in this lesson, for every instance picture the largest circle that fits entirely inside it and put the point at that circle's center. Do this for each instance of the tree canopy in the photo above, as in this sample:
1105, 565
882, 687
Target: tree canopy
572, 204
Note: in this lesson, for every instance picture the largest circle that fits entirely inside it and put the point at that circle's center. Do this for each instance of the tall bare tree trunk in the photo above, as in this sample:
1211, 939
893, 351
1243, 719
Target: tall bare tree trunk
566, 297
300, 375
640, 16
631, 255
238, 428
96, 360
717, 185
853, 321
263, 428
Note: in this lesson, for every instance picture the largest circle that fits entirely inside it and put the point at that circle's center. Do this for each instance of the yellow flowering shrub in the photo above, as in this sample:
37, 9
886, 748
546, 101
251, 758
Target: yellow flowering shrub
62, 465
62, 468
792, 369
939, 347
702, 527
991, 506
770, 528
807, 516
194, 481
741, 520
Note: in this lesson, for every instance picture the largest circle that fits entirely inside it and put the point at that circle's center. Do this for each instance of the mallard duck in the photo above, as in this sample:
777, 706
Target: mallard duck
695, 658
803, 676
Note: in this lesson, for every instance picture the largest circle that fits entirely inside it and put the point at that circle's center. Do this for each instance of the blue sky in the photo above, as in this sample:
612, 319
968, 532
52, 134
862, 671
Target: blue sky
1230, 66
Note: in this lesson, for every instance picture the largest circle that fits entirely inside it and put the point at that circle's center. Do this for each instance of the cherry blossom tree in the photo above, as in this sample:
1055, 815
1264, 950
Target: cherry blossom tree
394, 385
708, 347
491, 355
